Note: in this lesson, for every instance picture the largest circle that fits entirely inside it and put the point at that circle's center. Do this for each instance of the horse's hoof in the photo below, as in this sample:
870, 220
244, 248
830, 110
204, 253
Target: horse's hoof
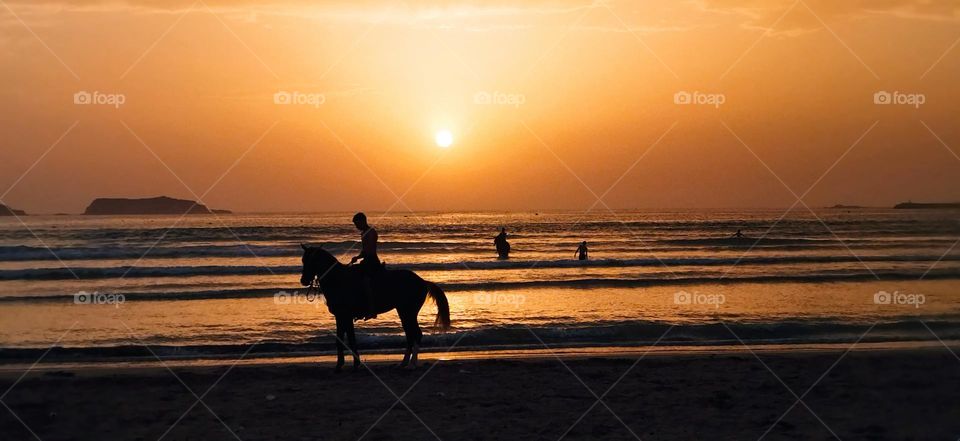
338, 369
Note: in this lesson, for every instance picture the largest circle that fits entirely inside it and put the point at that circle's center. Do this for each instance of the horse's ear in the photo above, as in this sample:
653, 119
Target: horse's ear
303, 245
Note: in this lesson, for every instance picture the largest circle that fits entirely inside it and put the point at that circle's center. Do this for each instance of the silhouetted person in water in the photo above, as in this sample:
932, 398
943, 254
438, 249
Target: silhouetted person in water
369, 261
737, 235
582, 251
503, 247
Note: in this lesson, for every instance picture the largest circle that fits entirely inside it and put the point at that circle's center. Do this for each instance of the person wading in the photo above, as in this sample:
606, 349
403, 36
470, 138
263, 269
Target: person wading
581, 252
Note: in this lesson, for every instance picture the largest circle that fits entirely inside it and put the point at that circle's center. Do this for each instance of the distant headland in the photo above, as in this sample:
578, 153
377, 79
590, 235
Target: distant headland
935, 206
157, 205
7, 211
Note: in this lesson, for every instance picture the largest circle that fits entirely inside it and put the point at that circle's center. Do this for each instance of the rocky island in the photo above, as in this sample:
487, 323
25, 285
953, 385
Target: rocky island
157, 205
928, 206
7, 211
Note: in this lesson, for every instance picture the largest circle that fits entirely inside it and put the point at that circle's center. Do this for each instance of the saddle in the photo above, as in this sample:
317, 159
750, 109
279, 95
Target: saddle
374, 270
376, 273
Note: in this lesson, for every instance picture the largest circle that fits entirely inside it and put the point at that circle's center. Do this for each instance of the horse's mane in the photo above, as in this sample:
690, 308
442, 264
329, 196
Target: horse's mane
314, 251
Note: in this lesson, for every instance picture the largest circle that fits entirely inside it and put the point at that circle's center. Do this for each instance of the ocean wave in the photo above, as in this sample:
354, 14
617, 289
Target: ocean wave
450, 245
87, 273
666, 279
747, 242
27, 253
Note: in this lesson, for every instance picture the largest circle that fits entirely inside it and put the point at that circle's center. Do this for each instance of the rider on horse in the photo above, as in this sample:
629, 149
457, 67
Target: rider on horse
369, 262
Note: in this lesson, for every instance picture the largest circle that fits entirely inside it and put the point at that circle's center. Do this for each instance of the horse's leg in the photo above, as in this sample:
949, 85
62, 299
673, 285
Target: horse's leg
412, 325
341, 332
408, 332
352, 341
416, 336
408, 351
413, 358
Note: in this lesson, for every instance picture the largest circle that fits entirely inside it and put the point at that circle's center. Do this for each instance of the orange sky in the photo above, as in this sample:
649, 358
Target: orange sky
584, 89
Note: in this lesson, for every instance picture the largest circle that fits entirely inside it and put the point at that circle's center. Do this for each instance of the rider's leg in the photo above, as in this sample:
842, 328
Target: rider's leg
368, 298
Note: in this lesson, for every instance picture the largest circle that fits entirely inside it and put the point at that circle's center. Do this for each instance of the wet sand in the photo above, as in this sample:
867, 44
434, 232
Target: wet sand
878, 394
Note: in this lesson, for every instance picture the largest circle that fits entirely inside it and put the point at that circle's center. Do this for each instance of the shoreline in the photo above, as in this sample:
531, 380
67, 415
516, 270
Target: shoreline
385, 357
948, 274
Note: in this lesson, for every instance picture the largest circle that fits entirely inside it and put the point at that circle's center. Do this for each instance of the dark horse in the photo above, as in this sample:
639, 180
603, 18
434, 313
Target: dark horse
342, 286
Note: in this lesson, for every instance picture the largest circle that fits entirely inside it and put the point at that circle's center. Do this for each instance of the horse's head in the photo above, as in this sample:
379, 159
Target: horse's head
317, 262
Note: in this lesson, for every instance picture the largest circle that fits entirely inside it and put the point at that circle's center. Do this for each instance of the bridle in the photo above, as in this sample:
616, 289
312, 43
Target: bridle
313, 291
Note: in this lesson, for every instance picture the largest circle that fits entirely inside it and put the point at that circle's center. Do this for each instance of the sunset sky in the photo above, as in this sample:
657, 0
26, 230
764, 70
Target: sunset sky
582, 98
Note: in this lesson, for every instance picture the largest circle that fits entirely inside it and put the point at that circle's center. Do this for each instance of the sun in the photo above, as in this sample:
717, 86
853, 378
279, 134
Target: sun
444, 138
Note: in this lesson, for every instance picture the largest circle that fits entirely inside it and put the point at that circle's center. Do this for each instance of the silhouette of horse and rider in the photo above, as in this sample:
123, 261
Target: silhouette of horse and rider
362, 291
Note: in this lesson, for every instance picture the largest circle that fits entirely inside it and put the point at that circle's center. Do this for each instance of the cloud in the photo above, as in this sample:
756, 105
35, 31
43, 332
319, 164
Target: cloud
476, 15
806, 15
465, 15
420, 8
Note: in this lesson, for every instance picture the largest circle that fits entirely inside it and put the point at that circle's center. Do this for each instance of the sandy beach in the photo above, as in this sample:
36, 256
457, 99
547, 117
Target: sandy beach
875, 394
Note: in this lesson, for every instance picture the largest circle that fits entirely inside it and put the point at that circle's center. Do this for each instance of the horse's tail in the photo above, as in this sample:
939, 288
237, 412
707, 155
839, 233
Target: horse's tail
443, 307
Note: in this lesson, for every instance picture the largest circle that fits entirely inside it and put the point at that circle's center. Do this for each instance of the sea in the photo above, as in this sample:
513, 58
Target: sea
204, 286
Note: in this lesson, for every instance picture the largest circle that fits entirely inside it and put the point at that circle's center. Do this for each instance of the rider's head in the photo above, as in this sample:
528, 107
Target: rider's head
360, 220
